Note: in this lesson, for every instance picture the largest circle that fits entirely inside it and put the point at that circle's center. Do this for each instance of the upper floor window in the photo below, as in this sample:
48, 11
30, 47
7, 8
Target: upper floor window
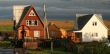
31, 22
32, 13
94, 23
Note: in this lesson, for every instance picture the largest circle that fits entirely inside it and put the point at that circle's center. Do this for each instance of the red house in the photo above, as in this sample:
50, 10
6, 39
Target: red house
31, 23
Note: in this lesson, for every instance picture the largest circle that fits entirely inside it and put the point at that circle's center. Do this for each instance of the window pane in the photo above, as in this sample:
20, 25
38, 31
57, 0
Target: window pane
29, 22
95, 23
96, 34
35, 22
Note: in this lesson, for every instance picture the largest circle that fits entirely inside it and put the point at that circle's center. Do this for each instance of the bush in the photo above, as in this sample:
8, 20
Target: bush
91, 48
5, 44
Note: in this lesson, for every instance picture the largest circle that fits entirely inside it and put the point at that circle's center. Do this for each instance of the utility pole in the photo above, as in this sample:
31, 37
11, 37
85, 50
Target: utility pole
46, 27
45, 22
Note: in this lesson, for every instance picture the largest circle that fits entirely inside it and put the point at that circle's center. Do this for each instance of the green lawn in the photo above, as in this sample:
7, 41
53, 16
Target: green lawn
5, 44
47, 51
6, 28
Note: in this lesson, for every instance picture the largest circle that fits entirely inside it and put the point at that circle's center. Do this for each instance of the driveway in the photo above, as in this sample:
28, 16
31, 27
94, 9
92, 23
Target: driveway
6, 51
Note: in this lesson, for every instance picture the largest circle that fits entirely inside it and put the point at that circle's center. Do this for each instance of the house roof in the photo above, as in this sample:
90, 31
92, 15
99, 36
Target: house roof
52, 24
82, 20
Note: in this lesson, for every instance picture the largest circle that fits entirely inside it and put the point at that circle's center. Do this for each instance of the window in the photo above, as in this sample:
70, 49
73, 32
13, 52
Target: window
27, 22
94, 23
35, 22
52, 33
37, 34
32, 13
94, 34
31, 22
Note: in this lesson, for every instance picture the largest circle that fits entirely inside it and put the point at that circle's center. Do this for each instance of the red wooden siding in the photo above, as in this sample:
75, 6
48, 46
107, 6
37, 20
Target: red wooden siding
74, 37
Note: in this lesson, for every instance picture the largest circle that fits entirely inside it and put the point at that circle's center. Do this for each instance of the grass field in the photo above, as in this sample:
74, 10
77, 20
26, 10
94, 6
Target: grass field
65, 24
7, 25
6, 28
47, 51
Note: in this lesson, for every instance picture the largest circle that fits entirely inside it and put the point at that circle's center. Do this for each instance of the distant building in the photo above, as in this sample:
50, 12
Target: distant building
90, 28
64, 33
54, 31
26, 17
75, 37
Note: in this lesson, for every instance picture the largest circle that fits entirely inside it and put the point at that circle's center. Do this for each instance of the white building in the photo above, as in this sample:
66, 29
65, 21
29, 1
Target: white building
17, 12
91, 28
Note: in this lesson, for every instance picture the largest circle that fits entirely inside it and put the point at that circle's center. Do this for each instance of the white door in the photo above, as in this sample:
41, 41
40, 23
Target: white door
37, 34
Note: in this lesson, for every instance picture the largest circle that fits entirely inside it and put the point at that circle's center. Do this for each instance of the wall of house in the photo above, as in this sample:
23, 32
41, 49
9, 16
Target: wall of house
89, 31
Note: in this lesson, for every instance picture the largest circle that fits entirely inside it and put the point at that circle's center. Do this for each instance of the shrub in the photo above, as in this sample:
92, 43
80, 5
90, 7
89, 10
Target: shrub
91, 48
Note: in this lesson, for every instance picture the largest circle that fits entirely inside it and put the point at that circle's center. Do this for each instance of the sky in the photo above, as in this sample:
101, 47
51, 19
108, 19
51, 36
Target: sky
58, 9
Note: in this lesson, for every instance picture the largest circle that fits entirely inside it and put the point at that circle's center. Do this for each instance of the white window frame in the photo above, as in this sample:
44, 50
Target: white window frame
37, 34
32, 23
27, 22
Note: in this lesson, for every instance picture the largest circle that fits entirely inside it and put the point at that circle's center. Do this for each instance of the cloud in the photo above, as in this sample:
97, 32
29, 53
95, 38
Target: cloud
5, 8
106, 2
59, 8
66, 0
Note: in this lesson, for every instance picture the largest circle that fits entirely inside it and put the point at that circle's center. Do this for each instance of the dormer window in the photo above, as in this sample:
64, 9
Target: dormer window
31, 22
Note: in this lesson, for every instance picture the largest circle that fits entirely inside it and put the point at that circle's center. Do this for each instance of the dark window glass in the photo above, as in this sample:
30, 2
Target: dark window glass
29, 22
96, 34
95, 23
35, 22
33, 14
